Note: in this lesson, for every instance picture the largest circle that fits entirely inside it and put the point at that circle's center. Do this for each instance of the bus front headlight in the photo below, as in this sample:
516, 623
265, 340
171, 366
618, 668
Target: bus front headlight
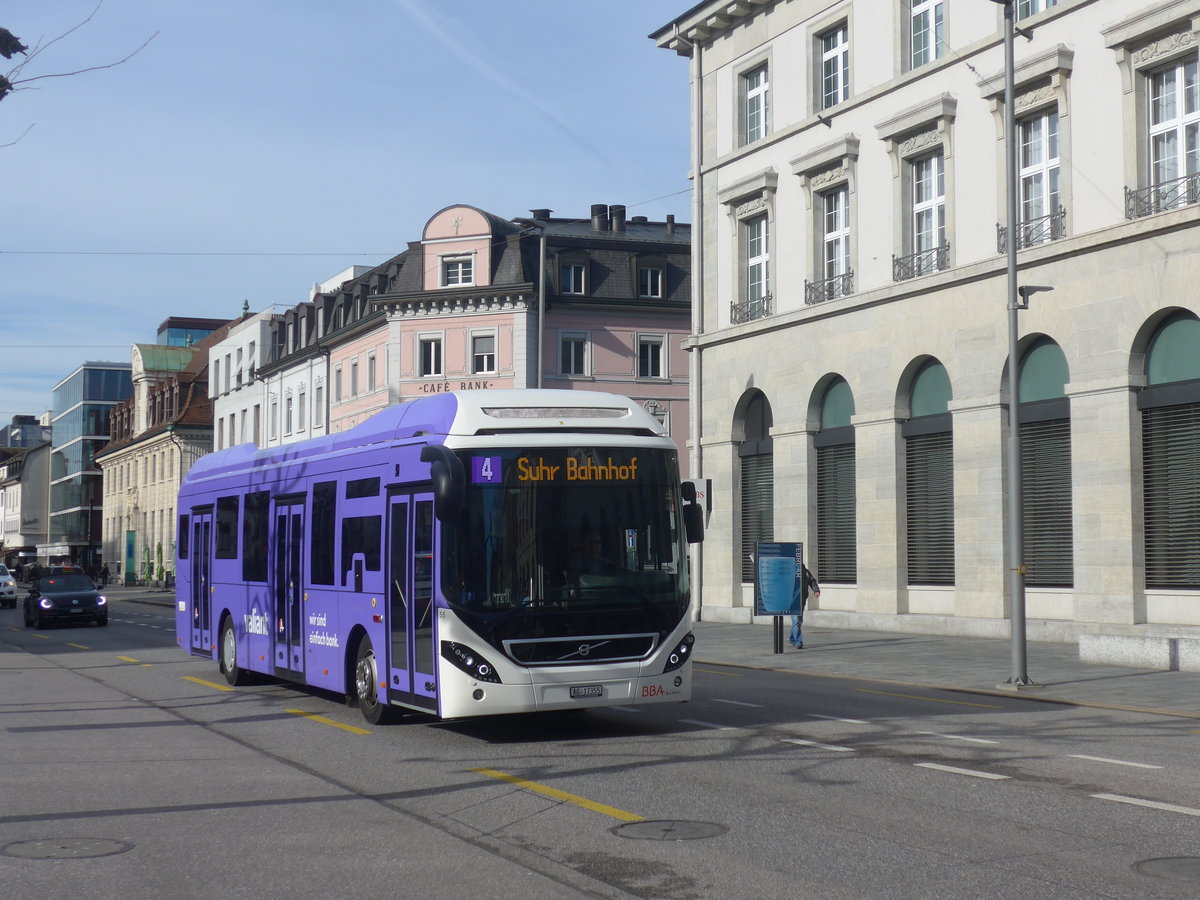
680, 654
463, 657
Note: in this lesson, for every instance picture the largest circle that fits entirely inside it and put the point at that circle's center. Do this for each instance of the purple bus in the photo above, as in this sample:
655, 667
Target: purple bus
465, 554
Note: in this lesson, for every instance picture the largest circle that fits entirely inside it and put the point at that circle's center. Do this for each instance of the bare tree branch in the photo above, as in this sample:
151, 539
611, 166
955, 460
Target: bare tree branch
23, 133
12, 80
110, 65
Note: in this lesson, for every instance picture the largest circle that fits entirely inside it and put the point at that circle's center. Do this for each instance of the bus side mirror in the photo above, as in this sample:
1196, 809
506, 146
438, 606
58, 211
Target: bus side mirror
693, 522
449, 481
688, 490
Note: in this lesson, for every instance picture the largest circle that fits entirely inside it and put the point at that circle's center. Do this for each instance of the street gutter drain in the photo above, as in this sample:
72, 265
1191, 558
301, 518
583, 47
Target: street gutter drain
668, 830
1172, 868
68, 848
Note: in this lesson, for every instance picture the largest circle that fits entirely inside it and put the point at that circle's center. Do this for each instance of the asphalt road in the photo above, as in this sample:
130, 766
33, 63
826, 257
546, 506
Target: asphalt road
131, 770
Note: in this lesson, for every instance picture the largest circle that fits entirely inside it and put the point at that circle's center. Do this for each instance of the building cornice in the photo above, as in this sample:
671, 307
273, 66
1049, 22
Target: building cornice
705, 22
433, 303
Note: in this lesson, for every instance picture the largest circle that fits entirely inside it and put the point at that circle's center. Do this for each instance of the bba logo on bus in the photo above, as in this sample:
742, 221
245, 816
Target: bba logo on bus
657, 690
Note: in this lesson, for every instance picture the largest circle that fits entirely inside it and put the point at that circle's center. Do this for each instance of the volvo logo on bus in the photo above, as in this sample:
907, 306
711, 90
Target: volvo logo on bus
585, 649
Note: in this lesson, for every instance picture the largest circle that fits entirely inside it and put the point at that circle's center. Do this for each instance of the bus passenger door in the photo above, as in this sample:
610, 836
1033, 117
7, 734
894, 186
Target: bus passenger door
412, 658
287, 588
201, 598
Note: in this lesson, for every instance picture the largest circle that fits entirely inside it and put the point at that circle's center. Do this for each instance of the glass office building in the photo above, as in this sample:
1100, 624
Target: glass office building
186, 331
81, 407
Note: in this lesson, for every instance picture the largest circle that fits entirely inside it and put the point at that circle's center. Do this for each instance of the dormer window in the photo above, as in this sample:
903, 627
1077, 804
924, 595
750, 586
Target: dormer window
458, 271
649, 282
571, 278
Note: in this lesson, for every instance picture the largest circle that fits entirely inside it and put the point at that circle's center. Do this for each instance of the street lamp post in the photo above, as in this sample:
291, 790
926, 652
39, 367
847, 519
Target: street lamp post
1019, 676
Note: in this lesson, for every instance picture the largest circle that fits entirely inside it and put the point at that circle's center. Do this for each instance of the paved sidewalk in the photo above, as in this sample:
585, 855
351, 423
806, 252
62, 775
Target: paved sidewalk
952, 663
955, 663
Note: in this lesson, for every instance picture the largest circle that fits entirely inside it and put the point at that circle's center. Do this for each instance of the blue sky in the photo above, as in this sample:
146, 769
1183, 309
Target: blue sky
324, 133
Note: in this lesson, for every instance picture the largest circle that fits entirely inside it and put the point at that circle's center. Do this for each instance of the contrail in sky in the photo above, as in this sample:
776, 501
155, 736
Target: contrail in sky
419, 12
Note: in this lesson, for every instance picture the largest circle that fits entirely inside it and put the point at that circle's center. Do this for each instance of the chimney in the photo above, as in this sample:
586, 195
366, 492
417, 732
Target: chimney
599, 217
616, 215
638, 220
670, 223
540, 213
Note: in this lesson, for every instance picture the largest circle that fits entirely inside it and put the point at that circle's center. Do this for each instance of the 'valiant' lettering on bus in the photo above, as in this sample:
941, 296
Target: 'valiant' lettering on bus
254, 623
575, 470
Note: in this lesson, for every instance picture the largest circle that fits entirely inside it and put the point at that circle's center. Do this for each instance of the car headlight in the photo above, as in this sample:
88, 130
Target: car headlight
10, 583
101, 600
46, 603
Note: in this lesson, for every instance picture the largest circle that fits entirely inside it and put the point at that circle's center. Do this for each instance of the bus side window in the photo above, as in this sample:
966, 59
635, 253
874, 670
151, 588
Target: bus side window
324, 511
361, 536
227, 527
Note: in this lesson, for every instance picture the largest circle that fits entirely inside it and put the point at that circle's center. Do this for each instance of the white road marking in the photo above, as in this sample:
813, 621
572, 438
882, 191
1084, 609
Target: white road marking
738, 703
1151, 804
958, 737
957, 771
818, 746
628, 709
707, 724
1115, 762
839, 719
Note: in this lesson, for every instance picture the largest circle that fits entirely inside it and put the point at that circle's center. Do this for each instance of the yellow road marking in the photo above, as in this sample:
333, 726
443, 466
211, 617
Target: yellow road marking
353, 729
930, 699
211, 684
556, 794
126, 659
42, 636
715, 672
79, 646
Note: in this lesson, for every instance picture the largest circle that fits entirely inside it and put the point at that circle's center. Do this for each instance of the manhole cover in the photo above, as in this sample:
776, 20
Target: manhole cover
70, 848
1172, 868
668, 830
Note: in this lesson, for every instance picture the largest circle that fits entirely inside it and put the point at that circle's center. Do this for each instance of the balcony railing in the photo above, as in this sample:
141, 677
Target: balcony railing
1162, 197
1033, 232
923, 263
749, 310
829, 288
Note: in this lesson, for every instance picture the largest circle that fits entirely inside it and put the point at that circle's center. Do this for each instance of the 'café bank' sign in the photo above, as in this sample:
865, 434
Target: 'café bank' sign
444, 386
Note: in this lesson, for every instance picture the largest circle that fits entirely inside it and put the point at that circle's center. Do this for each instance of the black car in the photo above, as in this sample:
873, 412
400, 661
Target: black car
65, 598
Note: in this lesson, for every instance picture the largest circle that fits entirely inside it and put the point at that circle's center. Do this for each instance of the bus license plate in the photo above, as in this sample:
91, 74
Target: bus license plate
587, 690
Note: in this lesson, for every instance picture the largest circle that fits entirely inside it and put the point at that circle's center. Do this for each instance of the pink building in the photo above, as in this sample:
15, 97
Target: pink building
468, 307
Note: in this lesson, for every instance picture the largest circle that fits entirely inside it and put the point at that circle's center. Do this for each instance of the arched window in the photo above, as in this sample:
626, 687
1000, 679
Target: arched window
1171, 454
837, 560
757, 479
929, 478
1046, 466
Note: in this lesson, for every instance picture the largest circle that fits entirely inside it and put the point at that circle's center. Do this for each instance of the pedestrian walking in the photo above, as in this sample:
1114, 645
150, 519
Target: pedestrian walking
808, 584
104, 575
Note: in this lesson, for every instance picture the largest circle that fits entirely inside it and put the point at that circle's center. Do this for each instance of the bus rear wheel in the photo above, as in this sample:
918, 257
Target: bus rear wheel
233, 673
366, 686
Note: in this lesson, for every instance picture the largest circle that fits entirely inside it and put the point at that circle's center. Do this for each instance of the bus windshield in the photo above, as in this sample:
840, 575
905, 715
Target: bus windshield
571, 541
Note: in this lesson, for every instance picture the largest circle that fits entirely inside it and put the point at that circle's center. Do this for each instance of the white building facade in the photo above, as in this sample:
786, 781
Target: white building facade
239, 396
849, 343
24, 503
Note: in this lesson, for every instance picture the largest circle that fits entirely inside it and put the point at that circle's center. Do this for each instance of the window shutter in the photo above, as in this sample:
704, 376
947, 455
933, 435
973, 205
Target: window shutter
1046, 502
836, 525
929, 466
1171, 488
758, 502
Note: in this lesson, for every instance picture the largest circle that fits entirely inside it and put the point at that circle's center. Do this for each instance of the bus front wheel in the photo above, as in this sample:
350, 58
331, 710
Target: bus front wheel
366, 686
234, 674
